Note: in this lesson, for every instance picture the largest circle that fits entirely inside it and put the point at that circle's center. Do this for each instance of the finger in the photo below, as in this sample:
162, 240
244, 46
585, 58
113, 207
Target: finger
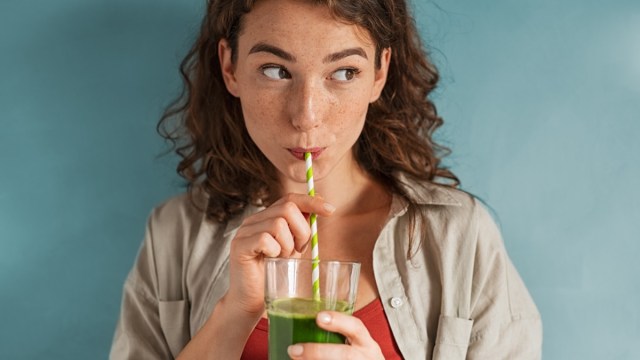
248, 247
282, 233
347, 325
298, 225
296, 213
308, 204
278, 228
313, 351
292, 208
304, 203
274, 221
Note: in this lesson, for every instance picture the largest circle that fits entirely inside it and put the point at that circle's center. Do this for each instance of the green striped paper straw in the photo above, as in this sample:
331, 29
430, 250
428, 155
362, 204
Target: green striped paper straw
315, 274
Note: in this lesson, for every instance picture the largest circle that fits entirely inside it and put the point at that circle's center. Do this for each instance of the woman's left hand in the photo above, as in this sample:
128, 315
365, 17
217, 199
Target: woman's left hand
359, 345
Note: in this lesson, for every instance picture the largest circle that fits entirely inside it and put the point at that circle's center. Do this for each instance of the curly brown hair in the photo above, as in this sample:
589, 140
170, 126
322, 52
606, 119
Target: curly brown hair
206, 127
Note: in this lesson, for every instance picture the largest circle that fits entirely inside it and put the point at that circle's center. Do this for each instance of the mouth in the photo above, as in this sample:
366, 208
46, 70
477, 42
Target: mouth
298, 153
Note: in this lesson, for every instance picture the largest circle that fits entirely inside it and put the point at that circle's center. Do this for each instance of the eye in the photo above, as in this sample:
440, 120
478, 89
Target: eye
276, 72
345, 74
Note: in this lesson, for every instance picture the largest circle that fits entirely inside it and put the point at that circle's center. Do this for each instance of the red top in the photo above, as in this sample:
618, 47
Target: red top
372, 316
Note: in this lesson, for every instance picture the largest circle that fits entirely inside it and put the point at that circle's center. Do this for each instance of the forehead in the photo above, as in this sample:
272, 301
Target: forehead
300, 25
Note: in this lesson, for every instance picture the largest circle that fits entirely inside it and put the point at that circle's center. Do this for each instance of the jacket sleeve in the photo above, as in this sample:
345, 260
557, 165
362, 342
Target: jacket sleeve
139, 333
506, 322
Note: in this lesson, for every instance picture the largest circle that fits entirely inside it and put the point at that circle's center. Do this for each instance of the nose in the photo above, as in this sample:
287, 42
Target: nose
305, 104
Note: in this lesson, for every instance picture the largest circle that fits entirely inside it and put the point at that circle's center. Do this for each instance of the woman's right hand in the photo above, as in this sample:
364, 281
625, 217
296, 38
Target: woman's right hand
281, 230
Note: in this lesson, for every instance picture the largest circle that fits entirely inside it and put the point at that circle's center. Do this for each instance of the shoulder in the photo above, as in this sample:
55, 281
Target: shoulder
428, 193
182, 214
443, 202
181, 222
174, 226
459, 207
178, 239
451, 218
181, 208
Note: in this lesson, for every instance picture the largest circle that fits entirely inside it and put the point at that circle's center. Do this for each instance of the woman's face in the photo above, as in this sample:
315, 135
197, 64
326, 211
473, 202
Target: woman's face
305, 81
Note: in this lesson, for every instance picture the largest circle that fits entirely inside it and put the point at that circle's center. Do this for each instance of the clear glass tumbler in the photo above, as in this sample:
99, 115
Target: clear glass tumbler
292, 306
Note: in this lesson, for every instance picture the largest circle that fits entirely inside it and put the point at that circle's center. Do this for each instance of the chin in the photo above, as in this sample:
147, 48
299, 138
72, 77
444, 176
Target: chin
294, 177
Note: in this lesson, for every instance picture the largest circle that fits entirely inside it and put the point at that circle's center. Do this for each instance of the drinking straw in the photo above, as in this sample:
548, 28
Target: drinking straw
315, 270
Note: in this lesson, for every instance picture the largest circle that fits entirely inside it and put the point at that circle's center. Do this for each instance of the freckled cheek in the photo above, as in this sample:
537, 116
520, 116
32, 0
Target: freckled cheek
261, 111
354, 109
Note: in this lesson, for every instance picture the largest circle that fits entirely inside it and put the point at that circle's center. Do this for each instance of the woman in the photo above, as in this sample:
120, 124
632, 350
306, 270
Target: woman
266, 82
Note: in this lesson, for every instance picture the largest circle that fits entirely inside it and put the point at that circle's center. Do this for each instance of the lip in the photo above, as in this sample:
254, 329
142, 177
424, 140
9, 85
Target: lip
298, 153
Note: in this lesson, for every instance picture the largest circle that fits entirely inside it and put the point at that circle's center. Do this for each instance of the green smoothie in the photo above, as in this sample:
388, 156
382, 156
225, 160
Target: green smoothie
293, 321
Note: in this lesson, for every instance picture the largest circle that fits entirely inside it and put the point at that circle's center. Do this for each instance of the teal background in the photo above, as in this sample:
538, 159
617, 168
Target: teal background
541, 101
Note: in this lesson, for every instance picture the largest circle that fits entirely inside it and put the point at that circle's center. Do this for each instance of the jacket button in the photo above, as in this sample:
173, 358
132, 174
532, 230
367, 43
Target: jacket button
396, 302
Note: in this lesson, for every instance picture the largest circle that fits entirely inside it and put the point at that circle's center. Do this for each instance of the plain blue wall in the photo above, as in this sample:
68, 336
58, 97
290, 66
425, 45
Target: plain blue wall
541, 101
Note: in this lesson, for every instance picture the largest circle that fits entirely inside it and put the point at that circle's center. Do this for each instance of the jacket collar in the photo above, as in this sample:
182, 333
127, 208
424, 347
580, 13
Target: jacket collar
427, 193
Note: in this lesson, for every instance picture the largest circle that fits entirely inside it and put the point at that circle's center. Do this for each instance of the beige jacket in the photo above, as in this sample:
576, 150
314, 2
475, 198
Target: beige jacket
457, 297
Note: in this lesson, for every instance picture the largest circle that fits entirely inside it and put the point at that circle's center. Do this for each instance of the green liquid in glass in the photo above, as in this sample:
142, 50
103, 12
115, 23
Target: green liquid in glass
293, 321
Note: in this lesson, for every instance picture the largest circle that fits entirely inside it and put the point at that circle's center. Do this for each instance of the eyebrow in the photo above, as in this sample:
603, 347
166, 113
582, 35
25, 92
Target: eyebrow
345, 53
264, 47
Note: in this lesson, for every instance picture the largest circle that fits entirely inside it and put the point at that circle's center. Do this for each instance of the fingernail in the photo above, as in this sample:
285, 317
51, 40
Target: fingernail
304, 248
295, 350
324, 318
329, 207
